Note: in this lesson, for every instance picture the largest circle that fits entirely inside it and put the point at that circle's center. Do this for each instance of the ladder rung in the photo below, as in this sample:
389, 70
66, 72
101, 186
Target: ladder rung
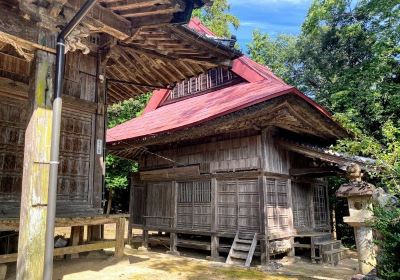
244, 241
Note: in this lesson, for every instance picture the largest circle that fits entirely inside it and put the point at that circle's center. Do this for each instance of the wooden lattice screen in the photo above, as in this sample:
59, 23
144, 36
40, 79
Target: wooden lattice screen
320, 206
194, 205
278, 206
210, 80
238, 205
301, 206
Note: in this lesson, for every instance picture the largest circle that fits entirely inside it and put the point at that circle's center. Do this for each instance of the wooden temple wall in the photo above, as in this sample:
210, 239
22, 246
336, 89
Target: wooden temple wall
79, 188
244, 185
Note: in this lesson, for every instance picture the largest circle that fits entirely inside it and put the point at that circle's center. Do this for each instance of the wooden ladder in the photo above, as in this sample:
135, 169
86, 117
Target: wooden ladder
242, 250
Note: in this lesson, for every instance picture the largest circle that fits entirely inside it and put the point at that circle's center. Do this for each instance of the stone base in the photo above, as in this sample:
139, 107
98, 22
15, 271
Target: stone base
217, 259
3, 271
173, 253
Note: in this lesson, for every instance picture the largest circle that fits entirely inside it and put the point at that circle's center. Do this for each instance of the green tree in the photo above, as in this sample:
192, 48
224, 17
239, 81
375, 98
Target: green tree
119, 169
218, 18
280, 54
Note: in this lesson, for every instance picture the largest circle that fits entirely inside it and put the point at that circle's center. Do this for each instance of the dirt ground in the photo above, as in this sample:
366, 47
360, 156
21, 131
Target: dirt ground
191, 265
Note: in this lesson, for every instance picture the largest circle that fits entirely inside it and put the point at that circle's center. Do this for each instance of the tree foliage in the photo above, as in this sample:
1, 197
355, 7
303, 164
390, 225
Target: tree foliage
280, 53
218, 18
118, 169
347, 57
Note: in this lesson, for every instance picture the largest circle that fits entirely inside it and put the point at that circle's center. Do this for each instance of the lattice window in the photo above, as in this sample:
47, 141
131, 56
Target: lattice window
213, 78
301, 206
277, 202
194, 205
320, 206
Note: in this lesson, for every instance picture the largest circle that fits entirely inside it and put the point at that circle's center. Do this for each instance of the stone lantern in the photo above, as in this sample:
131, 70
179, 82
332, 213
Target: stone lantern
359, 197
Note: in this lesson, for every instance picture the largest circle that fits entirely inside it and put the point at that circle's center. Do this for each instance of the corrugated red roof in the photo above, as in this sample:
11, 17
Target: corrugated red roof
261, 85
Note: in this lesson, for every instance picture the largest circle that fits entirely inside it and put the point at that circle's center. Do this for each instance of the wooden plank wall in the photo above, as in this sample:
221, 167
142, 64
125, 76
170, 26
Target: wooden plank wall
77, 147
227, 155
236, 200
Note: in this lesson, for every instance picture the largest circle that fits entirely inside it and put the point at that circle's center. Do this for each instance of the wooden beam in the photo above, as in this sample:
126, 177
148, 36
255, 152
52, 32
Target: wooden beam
133, 4
25, 33
65, 251
35, 179
104, 20
315, 171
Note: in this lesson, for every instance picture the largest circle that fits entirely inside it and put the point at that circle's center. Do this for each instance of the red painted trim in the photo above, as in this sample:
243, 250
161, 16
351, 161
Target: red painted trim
156, 99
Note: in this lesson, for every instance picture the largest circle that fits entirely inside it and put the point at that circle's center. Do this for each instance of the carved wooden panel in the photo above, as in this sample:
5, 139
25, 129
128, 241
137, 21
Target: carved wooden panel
12, 133
76, 146
75, 179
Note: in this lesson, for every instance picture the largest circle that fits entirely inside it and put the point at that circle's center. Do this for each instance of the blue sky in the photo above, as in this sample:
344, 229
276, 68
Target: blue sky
269, 16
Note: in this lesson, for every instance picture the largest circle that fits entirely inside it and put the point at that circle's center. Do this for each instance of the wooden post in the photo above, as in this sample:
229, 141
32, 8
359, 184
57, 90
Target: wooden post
35, 179
264, 243
74, 240
94, 233
120, 238
214, 247
174, 236
145, 239
131, 205
291, 222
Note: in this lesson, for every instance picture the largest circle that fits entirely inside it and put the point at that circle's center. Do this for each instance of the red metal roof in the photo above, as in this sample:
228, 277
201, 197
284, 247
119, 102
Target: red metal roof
261, 85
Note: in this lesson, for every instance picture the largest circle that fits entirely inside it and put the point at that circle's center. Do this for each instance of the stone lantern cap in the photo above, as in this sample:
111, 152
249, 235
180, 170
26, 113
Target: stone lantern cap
355, 188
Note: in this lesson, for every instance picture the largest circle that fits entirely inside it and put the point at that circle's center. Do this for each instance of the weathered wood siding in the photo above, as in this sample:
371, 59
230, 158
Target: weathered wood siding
238, 205
159, 205
278, 210
227, 155
194, 205
77, 193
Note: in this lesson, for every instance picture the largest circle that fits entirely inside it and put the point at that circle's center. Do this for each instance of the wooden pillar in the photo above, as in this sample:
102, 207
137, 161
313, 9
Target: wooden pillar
145, 244
174, 236
214, 247
264, 243
35, 179
75, 240
291, 222
120, 238
94, 233
131, 205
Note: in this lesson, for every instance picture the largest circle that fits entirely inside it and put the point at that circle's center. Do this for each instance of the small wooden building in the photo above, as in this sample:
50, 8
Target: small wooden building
231, 151
120, 50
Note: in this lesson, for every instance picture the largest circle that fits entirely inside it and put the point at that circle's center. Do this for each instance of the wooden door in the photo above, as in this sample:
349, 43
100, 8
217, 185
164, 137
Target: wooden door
278, 207
238, 206
194, 205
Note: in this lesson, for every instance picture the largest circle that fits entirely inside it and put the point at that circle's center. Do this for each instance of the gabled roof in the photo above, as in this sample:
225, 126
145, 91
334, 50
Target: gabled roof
259, 85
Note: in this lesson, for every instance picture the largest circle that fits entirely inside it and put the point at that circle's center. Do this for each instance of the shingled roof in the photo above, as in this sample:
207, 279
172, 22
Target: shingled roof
258, 85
